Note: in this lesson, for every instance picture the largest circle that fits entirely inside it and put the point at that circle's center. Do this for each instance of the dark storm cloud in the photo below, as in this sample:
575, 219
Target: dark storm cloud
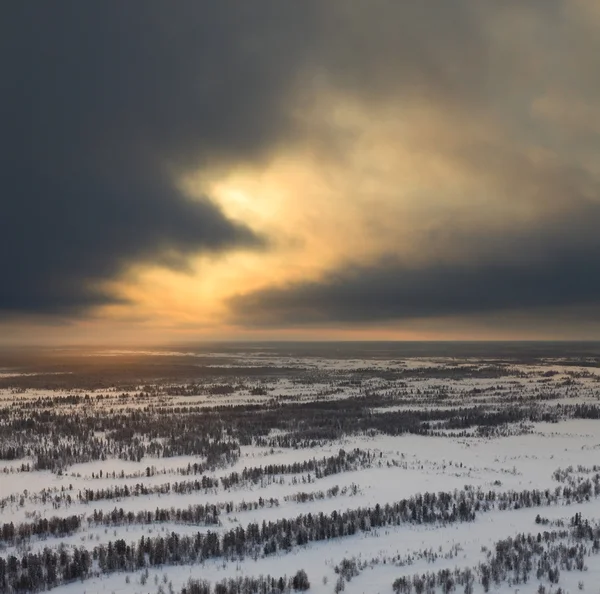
554, 266
102, 102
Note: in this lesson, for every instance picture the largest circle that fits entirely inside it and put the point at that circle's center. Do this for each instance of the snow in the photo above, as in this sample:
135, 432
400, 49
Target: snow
403, 466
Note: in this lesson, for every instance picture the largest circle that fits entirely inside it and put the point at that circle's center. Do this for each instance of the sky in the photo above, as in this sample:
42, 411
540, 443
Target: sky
299, 169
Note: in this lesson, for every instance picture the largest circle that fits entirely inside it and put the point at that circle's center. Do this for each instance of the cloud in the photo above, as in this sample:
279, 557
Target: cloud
103, 106
465, 155
492, 201
553, 266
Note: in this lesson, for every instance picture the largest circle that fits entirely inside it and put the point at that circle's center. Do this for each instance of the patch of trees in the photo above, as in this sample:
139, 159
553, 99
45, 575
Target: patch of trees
250, 585
56, 439
326, 466
515, 561
56, 527
23, 573
74, 428
422, 508
341, 462
303, 497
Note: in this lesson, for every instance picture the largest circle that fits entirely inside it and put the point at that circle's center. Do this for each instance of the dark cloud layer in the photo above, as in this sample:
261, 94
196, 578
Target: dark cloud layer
102, 102
554, 266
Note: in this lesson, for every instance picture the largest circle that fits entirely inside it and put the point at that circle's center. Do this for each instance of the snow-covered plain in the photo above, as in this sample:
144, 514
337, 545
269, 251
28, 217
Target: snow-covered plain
513, 457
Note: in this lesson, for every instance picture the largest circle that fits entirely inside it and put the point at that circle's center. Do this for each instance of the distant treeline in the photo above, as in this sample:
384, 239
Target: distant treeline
79, 429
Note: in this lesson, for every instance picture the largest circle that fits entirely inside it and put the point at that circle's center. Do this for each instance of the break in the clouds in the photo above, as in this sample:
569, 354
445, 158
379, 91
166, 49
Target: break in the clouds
514, 225
103, 103
548, 268
449, 150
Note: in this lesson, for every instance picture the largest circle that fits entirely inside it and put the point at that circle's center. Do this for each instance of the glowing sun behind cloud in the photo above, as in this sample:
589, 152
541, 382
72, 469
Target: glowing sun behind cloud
315, 169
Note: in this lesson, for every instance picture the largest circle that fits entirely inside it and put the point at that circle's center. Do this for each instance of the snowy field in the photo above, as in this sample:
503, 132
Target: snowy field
135, 472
